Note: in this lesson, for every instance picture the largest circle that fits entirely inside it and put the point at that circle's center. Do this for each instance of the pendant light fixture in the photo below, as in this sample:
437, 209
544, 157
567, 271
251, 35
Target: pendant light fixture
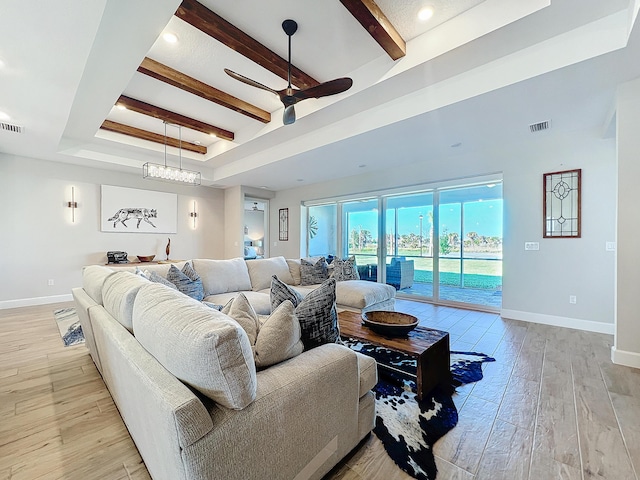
156, 171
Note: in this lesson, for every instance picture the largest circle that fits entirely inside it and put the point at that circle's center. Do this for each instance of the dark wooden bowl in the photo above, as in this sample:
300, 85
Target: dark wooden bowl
146, 258
389, 324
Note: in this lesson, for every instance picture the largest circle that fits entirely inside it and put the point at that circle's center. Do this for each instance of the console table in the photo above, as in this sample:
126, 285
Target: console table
429, 346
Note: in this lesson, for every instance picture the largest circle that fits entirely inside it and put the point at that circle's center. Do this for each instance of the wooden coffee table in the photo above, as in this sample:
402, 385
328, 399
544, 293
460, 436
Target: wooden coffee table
429, 346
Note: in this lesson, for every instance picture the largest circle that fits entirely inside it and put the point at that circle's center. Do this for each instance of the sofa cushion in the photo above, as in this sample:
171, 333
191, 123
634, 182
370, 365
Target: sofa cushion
316, 312
312, 273
223, 276
186, 281
199, 345
118, 294
259, 300
294, 269
361, 293
345, 269
276, 337
93, 278
261, 270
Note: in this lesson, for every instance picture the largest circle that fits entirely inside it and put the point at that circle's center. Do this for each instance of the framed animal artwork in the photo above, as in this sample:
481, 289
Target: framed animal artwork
132, 210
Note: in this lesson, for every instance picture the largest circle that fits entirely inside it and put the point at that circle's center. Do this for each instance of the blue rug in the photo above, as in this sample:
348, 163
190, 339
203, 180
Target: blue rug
69, 326
408, 428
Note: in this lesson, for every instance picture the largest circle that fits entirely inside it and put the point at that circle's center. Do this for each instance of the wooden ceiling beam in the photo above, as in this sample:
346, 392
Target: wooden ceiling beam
172, 117
217, 27
151, 136
189, 84
378, 25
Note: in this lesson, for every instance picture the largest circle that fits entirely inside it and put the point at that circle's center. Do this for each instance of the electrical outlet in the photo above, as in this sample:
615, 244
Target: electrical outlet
51, 282
610, 246
531, 246
572, 299
275, 244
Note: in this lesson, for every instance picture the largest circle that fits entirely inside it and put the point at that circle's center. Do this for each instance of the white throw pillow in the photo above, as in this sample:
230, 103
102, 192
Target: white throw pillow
277, 336
242, 312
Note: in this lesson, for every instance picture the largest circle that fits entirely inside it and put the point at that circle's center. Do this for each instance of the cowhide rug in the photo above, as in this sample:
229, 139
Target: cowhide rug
408, 428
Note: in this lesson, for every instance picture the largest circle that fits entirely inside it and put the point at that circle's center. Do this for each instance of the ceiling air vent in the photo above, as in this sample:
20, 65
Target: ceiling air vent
540, 126
10, 127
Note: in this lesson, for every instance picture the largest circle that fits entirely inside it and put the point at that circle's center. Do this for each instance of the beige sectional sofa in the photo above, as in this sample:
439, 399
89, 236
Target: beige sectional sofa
185, 383
224, 279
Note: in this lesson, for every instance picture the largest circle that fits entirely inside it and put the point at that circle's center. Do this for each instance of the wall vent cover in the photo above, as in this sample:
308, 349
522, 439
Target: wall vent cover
540, 126
10, 127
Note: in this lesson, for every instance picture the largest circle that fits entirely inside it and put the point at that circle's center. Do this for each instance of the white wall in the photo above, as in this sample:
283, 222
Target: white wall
536, 284
626, 348
38, 241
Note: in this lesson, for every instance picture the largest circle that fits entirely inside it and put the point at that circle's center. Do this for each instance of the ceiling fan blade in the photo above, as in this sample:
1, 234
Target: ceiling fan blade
248, 81
289, 115
325, 89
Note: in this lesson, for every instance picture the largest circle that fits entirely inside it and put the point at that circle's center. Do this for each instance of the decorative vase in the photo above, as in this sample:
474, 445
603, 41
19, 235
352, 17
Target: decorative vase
168, 249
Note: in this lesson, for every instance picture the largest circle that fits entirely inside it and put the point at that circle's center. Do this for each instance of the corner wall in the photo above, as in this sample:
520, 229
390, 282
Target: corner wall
536, 284
626, 349
38, 241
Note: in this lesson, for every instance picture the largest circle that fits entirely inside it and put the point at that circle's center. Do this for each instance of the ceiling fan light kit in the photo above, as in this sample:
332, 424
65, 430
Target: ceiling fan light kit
156, 171
290, 96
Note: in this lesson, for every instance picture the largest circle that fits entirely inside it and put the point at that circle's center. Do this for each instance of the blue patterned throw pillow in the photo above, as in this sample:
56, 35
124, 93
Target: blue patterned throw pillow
186, 281
155, 277
345, 269
313, 273
316, 312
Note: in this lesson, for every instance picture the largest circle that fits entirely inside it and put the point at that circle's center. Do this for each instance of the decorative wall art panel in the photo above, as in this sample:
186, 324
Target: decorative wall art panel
562, 209
283, 224
138, 211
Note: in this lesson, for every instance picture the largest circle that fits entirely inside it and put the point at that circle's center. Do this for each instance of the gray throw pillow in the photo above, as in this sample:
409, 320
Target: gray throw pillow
190, 287
316, 312
345, 269
313, 273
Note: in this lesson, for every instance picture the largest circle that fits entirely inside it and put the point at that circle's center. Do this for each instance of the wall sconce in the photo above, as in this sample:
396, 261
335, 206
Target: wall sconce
194, 215
73, 205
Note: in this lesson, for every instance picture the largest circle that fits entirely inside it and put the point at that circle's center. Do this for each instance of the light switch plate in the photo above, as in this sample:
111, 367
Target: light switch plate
531, 246
610, 246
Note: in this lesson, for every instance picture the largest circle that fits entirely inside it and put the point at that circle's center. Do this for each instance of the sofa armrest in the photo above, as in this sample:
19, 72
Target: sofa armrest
153, 403
307, 405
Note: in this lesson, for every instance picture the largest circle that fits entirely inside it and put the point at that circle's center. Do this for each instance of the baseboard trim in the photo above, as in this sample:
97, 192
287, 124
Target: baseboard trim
30, 302
623, 357
575, 323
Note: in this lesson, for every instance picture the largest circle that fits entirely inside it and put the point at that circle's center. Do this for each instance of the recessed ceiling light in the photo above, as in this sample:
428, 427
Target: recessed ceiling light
4, 117
197, 142
425, 14
119, 106
264, 186
213, 135
170, 37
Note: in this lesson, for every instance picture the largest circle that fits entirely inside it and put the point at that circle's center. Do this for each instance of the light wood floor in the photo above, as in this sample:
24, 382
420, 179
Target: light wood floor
552, 406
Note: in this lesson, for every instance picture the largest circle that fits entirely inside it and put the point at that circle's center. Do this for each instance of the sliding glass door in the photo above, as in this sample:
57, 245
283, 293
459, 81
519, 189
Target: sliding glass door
409, 243
442, 244
470, 246
360, 236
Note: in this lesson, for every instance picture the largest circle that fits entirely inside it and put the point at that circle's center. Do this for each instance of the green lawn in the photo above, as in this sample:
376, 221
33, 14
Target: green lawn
485, 274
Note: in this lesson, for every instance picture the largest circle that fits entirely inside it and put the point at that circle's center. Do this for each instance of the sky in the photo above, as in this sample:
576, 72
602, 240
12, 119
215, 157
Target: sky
484, 218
